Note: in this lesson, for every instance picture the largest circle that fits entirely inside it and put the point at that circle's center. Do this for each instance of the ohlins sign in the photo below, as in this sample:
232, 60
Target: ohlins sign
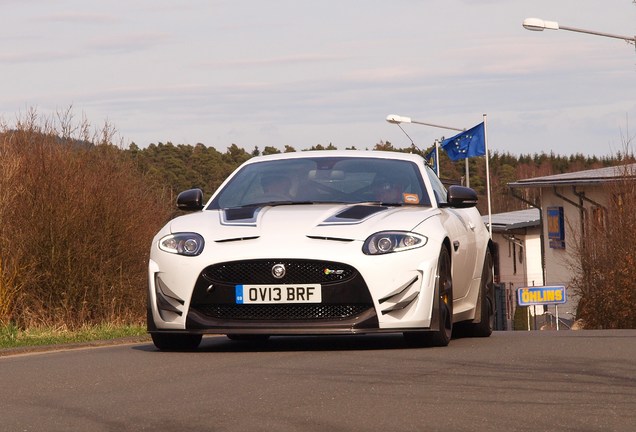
541, 295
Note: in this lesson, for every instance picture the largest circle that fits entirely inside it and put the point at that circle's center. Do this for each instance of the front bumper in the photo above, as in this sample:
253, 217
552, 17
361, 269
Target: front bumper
347, 305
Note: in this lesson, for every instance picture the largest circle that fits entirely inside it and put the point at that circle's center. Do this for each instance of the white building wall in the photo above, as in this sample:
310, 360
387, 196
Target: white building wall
527, 271
508, 261
534, 269
558, 261
561, 263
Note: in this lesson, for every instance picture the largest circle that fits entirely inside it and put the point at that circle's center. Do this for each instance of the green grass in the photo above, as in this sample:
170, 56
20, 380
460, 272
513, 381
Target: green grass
12, 337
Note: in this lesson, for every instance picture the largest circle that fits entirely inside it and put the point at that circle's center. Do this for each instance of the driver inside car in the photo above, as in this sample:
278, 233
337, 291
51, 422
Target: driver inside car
276, 186
388, 190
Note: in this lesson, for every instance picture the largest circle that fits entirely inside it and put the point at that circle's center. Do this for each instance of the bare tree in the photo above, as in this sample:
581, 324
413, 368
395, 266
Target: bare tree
605, 264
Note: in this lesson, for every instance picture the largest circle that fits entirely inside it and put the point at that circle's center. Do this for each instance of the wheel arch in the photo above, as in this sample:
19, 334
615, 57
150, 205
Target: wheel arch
447, 244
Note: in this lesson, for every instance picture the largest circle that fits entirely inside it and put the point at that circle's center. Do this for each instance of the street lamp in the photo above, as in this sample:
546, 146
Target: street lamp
537, 24
397, 119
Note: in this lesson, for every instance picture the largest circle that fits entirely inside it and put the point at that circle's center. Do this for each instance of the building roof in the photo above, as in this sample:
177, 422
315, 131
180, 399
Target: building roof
514, 220
587, 177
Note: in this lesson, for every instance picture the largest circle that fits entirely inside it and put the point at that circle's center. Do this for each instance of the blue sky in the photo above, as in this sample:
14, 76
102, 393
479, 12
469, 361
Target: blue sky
300, 73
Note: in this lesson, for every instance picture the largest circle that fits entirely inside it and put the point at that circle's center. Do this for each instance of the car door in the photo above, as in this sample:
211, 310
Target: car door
461, 230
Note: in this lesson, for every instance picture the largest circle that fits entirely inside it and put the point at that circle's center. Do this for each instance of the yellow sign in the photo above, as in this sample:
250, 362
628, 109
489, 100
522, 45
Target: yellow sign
541, 295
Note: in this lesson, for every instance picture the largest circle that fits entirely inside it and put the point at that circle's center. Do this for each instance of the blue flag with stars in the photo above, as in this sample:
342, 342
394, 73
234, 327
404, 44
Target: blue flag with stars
466, 144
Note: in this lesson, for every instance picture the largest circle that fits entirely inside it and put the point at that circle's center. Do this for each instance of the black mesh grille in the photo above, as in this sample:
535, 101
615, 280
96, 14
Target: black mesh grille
282, 312
344, 297
260, 271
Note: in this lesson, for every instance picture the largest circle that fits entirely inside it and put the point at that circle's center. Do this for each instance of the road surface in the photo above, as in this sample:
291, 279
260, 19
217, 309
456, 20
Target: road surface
512, 381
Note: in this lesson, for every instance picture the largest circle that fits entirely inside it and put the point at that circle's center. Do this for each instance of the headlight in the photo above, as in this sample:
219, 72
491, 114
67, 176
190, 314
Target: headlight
189, 244
392, 241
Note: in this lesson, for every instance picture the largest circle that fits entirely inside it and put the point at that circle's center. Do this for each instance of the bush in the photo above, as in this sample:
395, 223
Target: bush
606, 266
76, 223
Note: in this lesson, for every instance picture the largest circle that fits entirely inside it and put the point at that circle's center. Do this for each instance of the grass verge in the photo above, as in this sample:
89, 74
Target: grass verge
12, 337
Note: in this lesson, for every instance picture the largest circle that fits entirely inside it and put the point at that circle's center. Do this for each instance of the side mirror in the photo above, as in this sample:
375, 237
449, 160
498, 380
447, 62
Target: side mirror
461, 197
190, 200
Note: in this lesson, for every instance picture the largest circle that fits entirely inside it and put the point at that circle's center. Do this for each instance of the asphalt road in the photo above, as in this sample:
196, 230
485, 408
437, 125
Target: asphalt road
512, 381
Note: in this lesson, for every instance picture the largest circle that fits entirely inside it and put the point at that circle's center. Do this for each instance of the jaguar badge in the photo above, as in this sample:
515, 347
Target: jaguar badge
278, 271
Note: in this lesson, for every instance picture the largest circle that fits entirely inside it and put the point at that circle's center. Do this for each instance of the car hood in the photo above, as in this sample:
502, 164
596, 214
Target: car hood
338, 221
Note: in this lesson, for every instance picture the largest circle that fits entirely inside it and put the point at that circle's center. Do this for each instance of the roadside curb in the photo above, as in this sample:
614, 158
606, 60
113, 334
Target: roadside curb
6, 352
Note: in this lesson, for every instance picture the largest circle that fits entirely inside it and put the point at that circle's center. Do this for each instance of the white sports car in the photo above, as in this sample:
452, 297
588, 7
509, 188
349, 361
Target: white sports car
323, 242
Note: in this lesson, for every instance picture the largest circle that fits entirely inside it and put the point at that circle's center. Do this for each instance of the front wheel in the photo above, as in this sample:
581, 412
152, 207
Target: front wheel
176, 341
443, 311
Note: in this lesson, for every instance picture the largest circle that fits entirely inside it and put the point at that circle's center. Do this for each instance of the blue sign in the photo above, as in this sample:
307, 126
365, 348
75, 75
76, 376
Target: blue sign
541, 295
556, 227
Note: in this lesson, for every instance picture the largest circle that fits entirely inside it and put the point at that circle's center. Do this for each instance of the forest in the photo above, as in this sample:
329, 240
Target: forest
184, 166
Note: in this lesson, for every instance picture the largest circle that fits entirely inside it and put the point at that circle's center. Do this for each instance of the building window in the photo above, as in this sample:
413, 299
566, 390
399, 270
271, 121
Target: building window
556, 227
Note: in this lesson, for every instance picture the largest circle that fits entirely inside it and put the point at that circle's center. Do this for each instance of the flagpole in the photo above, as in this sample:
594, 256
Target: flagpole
487, 177
437, 157
467, 172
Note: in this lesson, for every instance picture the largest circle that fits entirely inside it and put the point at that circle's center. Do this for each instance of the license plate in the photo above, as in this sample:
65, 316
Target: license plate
267, 294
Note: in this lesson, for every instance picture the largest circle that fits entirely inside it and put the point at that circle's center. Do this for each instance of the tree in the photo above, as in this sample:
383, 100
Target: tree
384, 146
270, 150
321, 147
605, 263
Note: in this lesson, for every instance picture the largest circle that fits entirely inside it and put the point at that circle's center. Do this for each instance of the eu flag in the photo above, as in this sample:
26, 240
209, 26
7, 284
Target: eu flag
466, 144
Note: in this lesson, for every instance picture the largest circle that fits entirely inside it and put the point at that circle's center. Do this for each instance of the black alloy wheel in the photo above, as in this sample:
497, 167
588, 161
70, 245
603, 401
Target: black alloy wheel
444, 313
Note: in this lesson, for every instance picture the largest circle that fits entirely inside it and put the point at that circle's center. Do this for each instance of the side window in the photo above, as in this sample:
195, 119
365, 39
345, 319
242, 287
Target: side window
438, 188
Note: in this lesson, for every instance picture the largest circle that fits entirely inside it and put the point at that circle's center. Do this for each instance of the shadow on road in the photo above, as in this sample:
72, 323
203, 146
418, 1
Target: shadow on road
220, 343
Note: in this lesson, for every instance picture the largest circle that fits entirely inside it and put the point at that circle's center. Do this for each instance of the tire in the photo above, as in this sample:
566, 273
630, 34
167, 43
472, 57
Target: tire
486, 324
176, 341
444, 313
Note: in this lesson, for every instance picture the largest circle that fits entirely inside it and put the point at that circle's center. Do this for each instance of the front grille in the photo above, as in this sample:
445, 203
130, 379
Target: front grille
260, 272
345, 296
282, 312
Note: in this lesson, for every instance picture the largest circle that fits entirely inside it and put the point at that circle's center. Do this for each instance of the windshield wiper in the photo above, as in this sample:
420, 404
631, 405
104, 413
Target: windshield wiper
382, 203
284, 203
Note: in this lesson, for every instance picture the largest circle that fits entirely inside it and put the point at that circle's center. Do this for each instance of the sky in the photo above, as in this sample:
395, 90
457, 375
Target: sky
259, 73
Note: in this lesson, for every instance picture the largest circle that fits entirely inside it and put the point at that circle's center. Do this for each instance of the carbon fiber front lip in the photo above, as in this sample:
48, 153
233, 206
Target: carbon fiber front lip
362, 323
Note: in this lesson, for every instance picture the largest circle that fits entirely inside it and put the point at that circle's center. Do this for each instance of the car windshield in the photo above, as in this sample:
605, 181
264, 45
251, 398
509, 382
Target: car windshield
324, 180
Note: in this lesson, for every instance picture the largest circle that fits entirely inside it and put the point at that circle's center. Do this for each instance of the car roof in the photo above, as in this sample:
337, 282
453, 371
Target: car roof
340, 153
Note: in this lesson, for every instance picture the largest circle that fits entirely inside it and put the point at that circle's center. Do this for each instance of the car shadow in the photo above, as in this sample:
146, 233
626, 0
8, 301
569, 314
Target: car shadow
220, 343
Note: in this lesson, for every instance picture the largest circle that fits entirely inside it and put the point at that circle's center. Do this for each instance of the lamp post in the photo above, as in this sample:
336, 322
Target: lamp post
537, 24
398, 119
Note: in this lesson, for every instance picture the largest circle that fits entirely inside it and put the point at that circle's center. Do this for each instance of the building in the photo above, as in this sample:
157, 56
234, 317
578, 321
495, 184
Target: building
517, 238
567, 204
